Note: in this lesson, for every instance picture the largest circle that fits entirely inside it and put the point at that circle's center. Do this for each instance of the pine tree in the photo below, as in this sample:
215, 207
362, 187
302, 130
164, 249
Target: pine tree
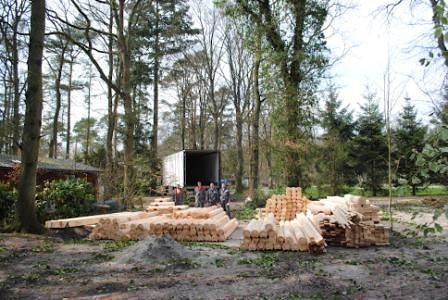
338, 128
409, 138
369, 148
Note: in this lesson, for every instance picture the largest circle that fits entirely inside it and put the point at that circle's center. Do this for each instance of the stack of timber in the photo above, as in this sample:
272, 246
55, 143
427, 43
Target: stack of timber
349, 221
215, 225
285, 207
164, 205
299, 234
198, 212
93, 220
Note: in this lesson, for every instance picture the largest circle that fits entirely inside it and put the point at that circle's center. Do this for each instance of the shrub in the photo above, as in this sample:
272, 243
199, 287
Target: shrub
7, 205
66, 199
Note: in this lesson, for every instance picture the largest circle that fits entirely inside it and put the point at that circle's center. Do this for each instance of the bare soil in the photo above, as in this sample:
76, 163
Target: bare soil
51, 267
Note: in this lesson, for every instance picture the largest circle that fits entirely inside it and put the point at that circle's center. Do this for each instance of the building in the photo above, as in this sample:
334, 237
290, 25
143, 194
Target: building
48, 169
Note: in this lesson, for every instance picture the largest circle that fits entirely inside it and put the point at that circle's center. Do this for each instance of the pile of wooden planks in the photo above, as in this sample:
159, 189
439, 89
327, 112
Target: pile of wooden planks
164, 205
285, 207
349, 221
197, 212
194, 224
96, 219
214, 225
299, 234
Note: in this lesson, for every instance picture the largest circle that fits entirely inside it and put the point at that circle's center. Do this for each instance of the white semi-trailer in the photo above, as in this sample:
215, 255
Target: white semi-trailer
187, 167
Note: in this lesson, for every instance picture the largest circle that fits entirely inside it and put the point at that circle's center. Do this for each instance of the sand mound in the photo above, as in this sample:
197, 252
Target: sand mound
154, 250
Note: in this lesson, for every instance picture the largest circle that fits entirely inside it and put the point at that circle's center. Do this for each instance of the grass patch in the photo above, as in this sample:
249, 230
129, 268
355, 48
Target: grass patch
112, 246
246, 213
191, 244
219, 262
262, 260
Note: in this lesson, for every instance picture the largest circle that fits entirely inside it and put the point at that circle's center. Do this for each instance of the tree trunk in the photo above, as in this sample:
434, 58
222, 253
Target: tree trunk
129, 114
111, 117
87, 150
155, 122
255, 153
16, 101
26, 208
53, 151
69, 104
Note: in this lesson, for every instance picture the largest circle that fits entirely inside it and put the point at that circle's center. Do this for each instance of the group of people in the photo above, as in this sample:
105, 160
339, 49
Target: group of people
206, 197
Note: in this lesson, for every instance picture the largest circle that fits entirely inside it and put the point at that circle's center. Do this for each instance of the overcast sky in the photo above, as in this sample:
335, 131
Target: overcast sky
374, 39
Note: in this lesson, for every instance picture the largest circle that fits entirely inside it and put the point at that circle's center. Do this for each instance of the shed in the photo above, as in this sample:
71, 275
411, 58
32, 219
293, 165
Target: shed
48, 169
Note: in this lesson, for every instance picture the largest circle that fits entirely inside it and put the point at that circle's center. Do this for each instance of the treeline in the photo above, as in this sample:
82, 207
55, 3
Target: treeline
241, 77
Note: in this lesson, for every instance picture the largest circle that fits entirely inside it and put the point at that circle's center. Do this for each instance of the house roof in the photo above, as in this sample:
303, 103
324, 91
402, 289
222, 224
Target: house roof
10, 161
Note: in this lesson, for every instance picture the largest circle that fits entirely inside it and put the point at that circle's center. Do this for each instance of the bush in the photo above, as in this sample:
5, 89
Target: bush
65, 199
7, 205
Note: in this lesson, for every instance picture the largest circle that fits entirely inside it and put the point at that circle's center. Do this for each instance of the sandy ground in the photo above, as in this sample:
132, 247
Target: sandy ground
48, 267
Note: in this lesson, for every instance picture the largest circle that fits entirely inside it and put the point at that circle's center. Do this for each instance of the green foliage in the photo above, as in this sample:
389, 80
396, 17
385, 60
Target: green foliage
246, 213
267, 259
7, 205
369, 149
333, 171
66, 199
433, 159
408, 138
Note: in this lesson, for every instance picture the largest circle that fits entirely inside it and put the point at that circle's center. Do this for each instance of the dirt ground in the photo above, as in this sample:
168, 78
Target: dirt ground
60, 266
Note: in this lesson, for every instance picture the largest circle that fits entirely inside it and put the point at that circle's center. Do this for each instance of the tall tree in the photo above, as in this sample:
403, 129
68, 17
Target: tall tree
33, 117
239, 70
369, 148
409, 138
338, 126
12, 21
300, 59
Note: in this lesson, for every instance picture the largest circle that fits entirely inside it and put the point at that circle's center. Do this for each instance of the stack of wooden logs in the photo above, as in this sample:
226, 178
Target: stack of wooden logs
285, 207
299, 234
198, 224
164, 205
349, 221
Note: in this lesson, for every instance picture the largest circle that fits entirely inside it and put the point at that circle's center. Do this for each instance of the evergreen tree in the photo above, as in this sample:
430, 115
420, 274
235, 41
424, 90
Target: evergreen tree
338, 127
409, 137
369, 148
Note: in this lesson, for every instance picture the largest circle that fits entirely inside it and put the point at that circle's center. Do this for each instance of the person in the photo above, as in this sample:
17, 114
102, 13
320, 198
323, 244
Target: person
224, 198
199, 195
178, 195
212, 195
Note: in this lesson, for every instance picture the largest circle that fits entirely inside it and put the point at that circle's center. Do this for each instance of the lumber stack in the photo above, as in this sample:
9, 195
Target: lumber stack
197, 212
92, 220
349, 221
285, 207
215, 225
299, 234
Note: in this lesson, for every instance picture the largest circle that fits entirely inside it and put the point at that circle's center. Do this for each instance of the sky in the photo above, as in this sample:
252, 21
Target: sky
369, 40
373, 40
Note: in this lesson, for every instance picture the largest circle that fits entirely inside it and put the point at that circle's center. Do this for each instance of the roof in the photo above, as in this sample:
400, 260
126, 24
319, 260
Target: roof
10, 161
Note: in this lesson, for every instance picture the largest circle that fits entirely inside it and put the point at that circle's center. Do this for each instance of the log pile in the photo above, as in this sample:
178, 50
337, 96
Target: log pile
215, 226
92, 220
349, 221
299, 234
285, 207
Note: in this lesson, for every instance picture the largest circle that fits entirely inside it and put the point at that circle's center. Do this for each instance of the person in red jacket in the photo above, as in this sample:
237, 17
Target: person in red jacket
178, 195
199, 195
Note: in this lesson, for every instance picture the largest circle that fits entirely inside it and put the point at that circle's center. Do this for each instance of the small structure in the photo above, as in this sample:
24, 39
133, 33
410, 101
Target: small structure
48, 169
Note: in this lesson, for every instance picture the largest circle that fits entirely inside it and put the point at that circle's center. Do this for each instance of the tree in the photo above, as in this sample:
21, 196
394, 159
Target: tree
12, 22
409, 138
369, 148
338, 129
300, 60
33, 117
239, 68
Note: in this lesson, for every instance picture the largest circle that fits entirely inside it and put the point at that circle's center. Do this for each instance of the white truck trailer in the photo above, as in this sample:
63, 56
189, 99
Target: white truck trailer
187, 167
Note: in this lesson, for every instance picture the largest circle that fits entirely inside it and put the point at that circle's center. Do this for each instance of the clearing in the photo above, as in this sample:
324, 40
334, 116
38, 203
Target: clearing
66, 266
